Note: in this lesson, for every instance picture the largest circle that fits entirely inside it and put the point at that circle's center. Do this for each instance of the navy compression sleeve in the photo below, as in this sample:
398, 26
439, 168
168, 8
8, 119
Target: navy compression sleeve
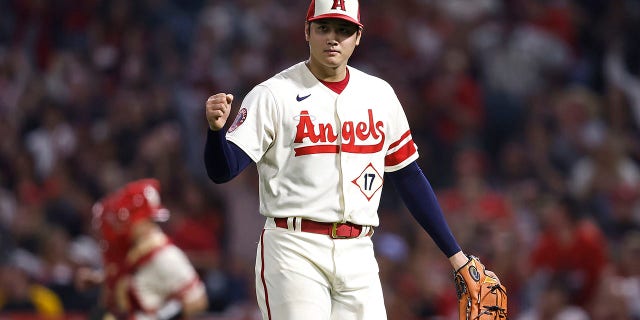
222, 159
417, 194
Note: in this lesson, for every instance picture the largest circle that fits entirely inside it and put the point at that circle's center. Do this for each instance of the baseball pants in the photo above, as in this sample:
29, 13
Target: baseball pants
310, 276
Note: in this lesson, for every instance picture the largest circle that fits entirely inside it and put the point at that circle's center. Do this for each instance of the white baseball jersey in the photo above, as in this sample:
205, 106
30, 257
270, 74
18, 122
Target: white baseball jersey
322, 155
167, 275
153, 279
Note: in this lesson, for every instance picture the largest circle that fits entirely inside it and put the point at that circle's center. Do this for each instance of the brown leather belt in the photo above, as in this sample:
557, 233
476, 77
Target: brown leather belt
335, 230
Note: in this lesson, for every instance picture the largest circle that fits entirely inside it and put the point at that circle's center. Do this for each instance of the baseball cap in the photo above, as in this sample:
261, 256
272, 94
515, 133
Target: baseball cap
348, 10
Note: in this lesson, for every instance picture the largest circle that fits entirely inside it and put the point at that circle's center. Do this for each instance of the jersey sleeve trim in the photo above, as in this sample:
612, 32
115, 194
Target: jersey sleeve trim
400, 151
399, 141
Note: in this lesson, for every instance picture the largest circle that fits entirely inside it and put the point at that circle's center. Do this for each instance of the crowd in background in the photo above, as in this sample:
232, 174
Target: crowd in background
526, 114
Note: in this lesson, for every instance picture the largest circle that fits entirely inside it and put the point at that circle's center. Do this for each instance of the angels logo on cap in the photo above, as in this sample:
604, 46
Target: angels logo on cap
341, 9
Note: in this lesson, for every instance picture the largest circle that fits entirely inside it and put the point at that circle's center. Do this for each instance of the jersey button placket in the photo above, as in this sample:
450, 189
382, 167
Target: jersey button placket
342, 161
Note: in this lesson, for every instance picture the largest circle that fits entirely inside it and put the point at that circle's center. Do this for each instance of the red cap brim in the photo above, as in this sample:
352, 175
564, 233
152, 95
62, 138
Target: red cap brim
336, 16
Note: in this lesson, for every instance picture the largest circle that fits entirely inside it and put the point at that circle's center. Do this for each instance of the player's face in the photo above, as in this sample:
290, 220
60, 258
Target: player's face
331, 42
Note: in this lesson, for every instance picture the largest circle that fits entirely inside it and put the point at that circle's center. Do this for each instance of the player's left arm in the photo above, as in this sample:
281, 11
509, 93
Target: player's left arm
418, 195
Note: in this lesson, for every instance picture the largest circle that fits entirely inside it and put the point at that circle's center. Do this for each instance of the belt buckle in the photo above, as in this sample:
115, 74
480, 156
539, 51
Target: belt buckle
334, 231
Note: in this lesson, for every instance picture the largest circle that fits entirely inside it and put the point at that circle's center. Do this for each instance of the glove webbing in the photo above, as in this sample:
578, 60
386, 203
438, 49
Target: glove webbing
499, 313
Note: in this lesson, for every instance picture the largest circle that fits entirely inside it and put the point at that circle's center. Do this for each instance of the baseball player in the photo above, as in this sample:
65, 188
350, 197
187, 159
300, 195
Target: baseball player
145, 276
323, 134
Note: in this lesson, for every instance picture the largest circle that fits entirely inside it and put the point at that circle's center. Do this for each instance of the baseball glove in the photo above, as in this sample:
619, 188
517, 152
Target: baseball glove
480, 294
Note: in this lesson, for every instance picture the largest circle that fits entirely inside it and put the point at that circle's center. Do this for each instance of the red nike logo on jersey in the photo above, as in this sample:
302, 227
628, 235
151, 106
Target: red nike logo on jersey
324, 137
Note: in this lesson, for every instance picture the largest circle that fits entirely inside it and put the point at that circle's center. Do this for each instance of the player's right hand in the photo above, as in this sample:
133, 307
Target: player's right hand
218, 107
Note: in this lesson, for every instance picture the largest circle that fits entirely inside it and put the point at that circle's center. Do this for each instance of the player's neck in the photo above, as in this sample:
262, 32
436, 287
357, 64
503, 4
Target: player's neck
146, 236
328, 74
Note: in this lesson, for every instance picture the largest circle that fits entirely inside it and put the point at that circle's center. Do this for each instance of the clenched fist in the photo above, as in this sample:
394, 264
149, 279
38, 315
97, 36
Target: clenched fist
218, 107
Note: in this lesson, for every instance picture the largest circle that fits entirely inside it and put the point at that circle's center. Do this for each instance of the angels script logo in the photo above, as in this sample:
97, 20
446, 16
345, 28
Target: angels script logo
323, 137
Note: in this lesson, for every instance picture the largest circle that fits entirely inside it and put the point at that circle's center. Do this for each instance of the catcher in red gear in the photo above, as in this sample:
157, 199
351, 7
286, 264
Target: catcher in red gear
145, 276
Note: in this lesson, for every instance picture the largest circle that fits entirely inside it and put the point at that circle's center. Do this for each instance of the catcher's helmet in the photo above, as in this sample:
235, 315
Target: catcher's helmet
139, 200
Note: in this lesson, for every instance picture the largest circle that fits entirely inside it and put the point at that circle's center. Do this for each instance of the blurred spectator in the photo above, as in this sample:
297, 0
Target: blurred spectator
21, 293
517, 60
393, 250
598, 176
200, 232
605, 166
555, 303
58, 269
52, 141
621, 215
622, 77
471, 197
621, 65
538, 140
454, 107
575, 118
628, 270
197, 231
569, 246
617, 296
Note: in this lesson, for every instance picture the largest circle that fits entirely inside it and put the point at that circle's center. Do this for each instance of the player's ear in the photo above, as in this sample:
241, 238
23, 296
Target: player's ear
358, 36
307, 30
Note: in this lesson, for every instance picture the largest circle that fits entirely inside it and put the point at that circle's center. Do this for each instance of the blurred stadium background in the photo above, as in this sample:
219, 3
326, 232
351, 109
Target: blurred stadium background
526, 114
